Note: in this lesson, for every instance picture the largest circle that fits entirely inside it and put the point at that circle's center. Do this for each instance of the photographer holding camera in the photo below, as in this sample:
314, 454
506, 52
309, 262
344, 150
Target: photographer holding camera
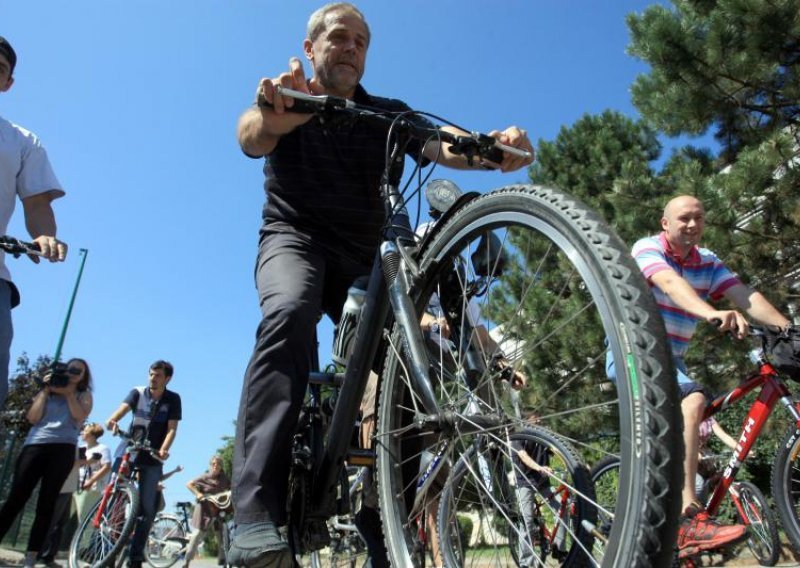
97, 471
48, 454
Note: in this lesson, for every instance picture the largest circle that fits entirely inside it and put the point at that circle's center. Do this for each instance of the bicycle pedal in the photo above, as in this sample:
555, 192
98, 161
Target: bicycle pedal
360, 458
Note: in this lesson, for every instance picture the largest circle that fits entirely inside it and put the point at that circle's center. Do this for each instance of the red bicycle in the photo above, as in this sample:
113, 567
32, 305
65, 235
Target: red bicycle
104, 532
750, 507
785, 472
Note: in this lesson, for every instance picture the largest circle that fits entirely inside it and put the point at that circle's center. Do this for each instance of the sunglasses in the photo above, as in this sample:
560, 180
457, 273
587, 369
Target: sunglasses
74, 370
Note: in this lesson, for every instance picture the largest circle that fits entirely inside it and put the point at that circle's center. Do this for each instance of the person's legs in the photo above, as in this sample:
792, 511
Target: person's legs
431, 513
296, 280
6, 335
84, 501
194, 542
692, 408
48, 551
58, 463
290, 278
698, 531
27, 473
527, 555
149, 476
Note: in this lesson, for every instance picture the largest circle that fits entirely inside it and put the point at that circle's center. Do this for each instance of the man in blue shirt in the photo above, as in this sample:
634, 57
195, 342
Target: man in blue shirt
156, 411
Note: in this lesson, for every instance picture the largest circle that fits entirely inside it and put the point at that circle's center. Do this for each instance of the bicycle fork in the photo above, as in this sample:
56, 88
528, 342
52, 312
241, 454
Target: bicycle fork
396, 275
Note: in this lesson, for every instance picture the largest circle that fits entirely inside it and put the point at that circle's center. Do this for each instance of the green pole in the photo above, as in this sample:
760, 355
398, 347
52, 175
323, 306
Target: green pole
83, 252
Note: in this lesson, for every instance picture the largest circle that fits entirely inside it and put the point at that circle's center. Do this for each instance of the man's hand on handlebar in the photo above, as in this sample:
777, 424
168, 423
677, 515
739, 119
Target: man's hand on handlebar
112, 425
517, 138
729, 320
294, 79
50, 248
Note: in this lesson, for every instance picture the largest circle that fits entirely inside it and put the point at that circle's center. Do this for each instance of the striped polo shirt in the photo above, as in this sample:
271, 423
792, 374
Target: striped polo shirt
323, 180
702, 269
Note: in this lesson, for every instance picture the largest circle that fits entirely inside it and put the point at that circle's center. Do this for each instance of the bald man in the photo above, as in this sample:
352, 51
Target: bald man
683, 278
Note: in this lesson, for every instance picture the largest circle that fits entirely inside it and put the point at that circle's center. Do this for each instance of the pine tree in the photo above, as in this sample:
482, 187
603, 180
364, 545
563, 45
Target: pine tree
605, 161
730, 65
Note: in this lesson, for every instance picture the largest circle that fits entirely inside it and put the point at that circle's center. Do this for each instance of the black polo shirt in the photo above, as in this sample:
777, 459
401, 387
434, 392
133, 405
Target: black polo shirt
322, 180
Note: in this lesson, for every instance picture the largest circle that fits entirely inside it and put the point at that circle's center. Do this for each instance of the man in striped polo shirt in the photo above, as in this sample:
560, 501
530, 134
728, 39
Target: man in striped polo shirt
684, 278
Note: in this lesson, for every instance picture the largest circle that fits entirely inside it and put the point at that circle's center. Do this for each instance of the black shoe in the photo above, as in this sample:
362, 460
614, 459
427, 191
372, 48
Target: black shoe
134, 564
259, 545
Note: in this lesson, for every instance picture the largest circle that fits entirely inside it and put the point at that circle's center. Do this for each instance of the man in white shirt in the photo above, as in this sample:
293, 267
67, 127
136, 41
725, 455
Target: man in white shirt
25, 172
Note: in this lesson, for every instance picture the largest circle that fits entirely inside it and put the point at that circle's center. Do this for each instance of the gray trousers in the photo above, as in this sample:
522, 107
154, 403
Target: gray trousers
297, 280
6, 335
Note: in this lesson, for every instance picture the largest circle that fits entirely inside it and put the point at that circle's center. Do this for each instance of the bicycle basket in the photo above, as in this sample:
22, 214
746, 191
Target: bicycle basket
783, 348
221, 500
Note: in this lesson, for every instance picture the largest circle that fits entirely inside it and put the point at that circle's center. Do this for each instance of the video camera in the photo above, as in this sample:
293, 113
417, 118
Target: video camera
58, 375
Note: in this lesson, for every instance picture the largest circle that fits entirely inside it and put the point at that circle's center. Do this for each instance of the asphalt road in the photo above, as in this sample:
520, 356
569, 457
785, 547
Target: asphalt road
10, 559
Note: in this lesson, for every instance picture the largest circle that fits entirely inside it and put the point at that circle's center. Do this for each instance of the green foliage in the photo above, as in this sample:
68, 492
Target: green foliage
726, 64
729, 66
23, 386
605, 161
464, 527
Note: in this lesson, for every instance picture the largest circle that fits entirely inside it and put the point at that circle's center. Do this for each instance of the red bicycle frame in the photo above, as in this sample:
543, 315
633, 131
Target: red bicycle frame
123, 471
772, 390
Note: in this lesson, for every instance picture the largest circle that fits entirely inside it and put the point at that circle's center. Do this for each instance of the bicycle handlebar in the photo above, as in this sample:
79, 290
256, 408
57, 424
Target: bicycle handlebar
753, 330
16, 247
137, 445
474, 143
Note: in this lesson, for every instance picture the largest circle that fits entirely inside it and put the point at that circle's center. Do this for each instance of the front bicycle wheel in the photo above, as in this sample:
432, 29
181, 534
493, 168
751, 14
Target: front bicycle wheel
786, 485
530, 280
546, 512
166, 541
754, 511
96, 544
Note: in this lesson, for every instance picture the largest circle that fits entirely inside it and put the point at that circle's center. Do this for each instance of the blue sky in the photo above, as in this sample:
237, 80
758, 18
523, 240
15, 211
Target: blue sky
137, 103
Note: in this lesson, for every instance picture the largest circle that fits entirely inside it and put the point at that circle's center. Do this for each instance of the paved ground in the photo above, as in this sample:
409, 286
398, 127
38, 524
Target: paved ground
10, 558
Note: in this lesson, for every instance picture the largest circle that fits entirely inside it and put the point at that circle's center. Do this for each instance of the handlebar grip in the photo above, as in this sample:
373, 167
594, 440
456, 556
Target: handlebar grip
306, 103
494, 155
299, 105
18, 247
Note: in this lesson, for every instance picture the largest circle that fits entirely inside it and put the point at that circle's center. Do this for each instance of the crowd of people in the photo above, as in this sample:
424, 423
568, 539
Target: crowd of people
304, 269
52, 456
62, 455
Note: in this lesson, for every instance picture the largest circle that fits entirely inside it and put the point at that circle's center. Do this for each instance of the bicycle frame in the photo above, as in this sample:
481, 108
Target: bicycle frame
772, 390
122, 475
389, 285
563, 493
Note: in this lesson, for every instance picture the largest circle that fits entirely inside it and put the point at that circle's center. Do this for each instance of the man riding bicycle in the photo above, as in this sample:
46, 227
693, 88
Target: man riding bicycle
683, 277
213, 481
157, 411
322, 224
26, 172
